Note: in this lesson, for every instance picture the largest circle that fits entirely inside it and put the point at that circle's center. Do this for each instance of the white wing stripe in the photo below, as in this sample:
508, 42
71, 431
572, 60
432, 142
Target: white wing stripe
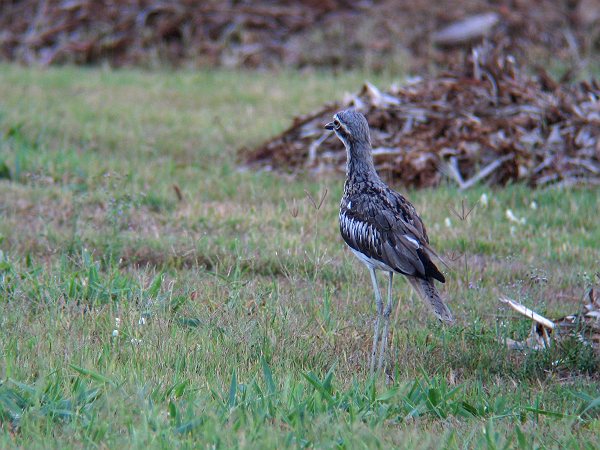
412, 240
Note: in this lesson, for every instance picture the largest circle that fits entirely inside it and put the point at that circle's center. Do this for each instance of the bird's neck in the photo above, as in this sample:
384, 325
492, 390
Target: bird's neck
360, 164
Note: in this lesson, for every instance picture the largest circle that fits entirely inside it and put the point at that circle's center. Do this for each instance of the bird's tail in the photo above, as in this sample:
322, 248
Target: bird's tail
430, 295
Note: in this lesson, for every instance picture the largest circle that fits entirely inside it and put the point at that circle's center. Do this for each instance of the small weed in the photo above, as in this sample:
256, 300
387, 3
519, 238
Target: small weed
316, 257
463, 216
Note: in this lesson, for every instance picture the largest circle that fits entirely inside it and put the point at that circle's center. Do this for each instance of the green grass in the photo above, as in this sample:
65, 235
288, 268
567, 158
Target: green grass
235, 317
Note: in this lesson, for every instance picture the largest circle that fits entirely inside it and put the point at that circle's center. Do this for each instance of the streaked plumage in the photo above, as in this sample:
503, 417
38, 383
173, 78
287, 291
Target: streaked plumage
381, 227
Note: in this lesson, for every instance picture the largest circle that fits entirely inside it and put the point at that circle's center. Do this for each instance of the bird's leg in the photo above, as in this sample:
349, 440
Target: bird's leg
386, 323
379, 304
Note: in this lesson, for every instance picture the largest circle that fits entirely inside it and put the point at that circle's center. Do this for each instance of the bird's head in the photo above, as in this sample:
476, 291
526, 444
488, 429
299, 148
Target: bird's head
351, 127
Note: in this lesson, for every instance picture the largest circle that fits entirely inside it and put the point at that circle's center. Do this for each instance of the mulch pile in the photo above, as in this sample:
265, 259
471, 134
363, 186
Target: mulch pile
485, 120
129, 32
415, 36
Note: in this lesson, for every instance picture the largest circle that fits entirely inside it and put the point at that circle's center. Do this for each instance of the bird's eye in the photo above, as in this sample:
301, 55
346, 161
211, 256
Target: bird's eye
336, 124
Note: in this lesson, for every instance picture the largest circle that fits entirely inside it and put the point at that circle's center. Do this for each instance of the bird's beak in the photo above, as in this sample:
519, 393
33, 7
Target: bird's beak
329, 126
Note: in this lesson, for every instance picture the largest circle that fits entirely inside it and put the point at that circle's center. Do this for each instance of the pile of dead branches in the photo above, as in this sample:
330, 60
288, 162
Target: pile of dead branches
227, 33
392, 34
486, 121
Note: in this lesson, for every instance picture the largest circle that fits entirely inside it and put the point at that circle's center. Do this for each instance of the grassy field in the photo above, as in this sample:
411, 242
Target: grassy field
154, 295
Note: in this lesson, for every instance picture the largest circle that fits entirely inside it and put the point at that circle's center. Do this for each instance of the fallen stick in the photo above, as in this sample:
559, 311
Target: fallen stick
487, 170
547, 323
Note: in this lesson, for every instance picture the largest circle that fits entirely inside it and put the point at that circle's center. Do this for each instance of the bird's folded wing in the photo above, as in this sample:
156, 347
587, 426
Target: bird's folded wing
407, 244
409, 222
400, 247
425, 244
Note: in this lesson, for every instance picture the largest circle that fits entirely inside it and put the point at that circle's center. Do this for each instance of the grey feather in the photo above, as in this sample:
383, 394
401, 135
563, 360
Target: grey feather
430, 295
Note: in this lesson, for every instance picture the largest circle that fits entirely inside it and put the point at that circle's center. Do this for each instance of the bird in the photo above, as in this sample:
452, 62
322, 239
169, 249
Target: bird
382, 228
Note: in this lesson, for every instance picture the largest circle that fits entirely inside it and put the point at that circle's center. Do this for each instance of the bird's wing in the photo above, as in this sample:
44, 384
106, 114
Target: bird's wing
410, 220
406, 240
388, 233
